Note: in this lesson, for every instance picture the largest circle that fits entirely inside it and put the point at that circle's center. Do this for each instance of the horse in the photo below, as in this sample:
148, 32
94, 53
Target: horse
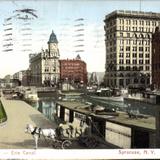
37, 132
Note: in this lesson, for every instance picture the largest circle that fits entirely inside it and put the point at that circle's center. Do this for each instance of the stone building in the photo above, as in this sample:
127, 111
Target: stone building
156, 59
128, 39
73, 70
45, 65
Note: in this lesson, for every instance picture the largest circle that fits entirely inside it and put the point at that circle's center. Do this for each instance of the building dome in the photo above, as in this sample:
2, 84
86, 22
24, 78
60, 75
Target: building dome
53, 38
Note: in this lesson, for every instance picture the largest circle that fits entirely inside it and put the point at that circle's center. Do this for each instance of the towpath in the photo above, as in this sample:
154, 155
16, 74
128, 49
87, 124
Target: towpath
19, 113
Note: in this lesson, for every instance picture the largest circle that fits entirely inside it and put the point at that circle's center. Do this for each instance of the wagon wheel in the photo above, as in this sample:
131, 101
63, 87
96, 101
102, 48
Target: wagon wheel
66, 144
57, 144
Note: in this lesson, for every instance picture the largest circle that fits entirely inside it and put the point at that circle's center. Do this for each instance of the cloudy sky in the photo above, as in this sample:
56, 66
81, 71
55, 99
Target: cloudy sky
75, 22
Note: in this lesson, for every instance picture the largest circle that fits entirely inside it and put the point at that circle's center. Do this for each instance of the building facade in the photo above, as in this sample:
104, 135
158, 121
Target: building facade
156, 59
19, 75
26, 80
45, 65
128, 40
73, 70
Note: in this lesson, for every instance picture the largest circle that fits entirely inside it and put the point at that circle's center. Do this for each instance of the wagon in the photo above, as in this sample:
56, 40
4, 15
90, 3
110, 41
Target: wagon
60, 141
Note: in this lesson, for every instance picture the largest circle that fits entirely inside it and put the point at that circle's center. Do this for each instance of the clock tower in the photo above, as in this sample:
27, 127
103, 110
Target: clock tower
52, 61
53, 46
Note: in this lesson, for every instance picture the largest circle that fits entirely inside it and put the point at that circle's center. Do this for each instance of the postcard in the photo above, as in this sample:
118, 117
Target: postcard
79, 79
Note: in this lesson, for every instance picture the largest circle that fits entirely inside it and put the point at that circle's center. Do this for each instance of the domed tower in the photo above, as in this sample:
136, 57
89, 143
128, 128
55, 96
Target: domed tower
53, 59
53, 46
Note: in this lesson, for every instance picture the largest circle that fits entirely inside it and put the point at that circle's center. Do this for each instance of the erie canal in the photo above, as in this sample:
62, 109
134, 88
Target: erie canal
47, 106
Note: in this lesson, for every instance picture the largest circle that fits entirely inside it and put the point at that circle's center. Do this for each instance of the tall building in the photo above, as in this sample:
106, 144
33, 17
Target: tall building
73, 70
156, 59
45, 65
128, 47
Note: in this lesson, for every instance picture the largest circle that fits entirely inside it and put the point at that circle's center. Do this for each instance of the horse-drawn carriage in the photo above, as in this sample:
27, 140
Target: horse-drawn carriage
63, 136
52, 137
60, 137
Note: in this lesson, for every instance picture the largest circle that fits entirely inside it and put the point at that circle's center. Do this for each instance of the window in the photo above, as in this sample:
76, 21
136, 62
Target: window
141, 35
121, 34
147, 23
128, 41
147, 55
134, 41
134, 61
141, 68
121, 41
147, 49
127, 54
136, 22
147, 68
134, 55
121, 68
140, 61
140, 48
128, 34
121, 48
128, 68
134, 68
147, 61
121, 61
135, 35
134, 49
128, 61
140, 55
129, 21
141, 42
127, 48
46, 69
121, 55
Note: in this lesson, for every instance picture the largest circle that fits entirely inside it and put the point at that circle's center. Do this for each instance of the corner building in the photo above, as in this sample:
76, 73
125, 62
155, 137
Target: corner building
45, 65
128, 40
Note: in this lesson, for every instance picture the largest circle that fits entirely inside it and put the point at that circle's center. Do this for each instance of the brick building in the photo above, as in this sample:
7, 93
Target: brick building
73, 70
156, 58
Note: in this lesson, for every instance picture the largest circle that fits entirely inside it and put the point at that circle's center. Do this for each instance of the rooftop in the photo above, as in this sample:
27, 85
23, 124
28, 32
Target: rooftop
132, 14
53, 38
147, 122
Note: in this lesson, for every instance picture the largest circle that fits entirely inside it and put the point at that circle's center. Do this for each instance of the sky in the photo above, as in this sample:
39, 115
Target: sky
61, 17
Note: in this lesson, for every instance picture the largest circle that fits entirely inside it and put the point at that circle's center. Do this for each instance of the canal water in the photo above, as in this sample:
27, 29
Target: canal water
127, 105
45, 106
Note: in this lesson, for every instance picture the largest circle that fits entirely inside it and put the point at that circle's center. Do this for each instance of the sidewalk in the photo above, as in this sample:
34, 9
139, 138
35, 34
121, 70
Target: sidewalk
19, 114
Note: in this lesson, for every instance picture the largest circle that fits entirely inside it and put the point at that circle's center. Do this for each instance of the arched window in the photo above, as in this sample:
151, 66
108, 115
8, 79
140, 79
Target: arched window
141, 35
135, 35
148, 36
121, 75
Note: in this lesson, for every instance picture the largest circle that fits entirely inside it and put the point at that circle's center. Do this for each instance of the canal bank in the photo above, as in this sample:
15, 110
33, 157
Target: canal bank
3, 116
19, 113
